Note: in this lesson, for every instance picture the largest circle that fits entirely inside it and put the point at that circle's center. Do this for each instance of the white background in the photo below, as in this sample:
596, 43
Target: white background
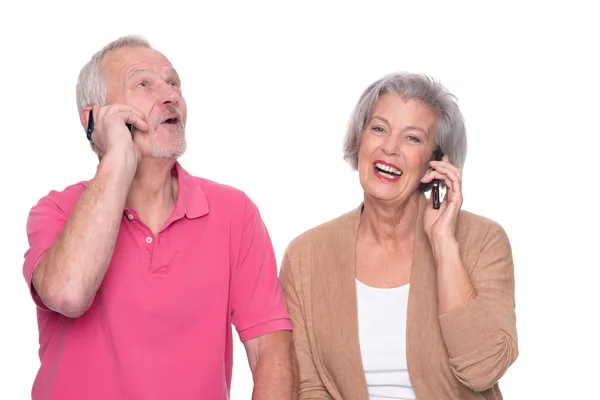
270, 88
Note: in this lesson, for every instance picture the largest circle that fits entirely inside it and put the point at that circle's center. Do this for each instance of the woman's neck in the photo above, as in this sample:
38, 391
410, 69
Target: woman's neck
389, 224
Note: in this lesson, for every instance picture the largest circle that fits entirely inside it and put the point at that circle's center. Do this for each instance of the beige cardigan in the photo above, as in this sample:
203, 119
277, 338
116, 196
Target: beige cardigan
458, 355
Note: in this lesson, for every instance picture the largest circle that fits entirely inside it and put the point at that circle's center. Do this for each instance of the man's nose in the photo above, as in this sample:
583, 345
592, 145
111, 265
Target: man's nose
168, 95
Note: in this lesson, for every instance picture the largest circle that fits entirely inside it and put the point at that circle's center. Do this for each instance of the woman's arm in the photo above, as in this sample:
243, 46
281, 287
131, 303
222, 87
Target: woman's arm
310, 384
477, 309
480, 333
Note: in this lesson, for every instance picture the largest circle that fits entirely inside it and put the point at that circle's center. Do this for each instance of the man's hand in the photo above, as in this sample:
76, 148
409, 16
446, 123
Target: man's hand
69, 274
271, 359
110, 133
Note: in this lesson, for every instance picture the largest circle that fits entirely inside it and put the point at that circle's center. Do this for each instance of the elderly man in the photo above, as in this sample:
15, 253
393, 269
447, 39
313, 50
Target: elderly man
139, 273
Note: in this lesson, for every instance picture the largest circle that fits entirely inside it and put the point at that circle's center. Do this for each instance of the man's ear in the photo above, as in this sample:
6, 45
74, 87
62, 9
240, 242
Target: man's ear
84, 116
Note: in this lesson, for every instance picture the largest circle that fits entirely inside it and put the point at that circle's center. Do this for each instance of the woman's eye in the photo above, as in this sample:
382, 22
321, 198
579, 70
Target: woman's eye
378, 129
414, 138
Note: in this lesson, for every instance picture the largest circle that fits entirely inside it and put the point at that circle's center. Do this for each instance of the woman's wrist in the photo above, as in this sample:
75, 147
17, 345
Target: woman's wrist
444, 247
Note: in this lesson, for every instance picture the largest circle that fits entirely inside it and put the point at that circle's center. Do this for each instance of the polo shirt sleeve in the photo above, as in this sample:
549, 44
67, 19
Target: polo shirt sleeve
257, 303
44, 223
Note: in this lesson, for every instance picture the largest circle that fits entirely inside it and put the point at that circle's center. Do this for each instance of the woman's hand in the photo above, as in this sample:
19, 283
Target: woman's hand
440, 224
454, 283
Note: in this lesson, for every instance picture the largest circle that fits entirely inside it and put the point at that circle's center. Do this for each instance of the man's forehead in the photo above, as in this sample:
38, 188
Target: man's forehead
132, 61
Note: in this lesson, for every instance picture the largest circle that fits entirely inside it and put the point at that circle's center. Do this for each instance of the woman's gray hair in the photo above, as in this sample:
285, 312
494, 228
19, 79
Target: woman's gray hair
451, 136
91, 87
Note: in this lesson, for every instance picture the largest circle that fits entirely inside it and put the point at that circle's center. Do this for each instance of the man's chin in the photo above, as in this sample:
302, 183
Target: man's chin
173, 150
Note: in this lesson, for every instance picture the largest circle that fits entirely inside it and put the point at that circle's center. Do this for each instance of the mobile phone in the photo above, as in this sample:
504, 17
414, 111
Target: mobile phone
435, 184
90, 127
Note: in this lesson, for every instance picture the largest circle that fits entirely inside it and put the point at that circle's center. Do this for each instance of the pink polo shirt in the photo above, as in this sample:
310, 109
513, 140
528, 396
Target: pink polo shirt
160, 324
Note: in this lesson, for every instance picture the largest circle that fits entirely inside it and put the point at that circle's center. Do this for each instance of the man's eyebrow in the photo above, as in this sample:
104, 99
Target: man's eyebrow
171, 71
136, 72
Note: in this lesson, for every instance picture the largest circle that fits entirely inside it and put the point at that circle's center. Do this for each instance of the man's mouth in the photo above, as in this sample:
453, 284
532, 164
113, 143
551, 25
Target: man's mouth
171, 120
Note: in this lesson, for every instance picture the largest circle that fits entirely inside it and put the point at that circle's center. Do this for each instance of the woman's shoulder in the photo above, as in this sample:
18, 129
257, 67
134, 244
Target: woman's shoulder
325, 233
473, 228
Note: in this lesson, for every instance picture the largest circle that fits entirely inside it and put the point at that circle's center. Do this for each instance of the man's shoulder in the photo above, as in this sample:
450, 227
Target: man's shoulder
225, 197
63, 199
215, 189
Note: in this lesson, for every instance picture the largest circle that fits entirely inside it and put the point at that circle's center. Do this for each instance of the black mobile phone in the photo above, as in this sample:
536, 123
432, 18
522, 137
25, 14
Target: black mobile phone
435, 184
90, 127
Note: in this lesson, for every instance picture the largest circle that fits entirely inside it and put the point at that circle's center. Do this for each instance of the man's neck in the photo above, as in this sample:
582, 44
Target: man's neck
153, 192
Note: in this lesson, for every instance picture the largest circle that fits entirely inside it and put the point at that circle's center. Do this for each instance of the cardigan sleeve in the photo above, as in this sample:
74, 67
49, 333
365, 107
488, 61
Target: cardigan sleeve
310, 384
481, 335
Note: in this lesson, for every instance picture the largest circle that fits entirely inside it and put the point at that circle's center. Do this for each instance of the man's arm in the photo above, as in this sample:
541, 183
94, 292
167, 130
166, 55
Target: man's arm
69, 274
271, 360
259, 312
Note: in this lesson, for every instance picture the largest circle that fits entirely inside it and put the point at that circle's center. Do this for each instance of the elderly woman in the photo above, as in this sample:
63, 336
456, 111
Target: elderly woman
398, 299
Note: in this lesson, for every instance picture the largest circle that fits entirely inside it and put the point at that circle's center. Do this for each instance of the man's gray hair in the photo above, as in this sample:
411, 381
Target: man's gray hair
451, 136
91, 87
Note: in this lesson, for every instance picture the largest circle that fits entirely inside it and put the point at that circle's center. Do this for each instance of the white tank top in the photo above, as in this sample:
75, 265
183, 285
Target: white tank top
382, 333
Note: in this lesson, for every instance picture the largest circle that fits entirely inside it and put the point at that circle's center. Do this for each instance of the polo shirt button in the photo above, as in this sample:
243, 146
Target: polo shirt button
130, 216
148, 239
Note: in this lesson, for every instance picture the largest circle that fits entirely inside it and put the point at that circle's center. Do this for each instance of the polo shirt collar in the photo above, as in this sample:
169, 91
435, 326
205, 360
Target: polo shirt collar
191, 200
